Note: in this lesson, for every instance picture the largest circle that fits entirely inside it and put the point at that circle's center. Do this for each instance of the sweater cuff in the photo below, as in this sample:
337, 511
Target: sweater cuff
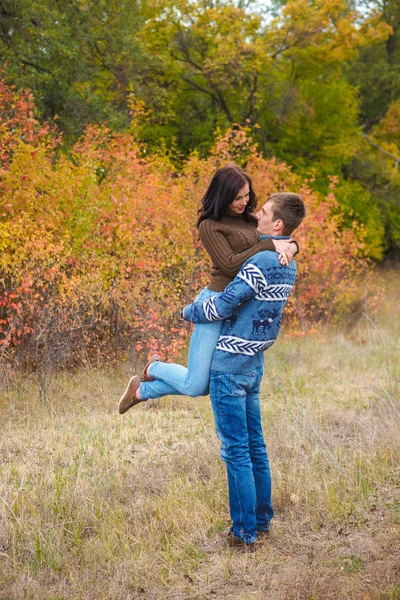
298, 247
182, 313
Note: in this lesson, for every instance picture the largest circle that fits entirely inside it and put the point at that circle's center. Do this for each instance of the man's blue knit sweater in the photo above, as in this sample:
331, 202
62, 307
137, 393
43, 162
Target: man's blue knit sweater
252, 307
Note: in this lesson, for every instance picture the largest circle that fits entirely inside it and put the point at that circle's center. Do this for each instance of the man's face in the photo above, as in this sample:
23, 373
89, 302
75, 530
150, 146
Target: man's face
266, 226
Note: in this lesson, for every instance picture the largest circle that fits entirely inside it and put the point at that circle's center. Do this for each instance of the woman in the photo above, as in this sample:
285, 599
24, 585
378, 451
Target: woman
228, 230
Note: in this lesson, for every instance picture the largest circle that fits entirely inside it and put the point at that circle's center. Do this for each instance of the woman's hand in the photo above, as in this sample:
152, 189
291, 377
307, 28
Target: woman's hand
287, 249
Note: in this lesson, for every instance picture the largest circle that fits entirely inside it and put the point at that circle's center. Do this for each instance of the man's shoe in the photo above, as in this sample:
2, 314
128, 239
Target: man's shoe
229, 542
153, 358
235, 543
128, 398
263, 533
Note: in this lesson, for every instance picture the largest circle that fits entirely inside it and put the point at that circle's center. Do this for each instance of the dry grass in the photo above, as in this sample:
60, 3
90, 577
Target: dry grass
98, 506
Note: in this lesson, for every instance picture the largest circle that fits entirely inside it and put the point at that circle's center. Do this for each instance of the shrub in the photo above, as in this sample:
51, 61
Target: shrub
99, 248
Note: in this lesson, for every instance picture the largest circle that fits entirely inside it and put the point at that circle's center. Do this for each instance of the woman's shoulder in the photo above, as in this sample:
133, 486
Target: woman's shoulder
210, 225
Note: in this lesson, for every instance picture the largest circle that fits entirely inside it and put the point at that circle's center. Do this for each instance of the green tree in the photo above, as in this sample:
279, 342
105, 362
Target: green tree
78, 57
376, 74
376, 70
222, 65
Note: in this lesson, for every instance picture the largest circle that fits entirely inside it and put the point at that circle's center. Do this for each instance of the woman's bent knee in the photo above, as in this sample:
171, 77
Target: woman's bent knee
197, 388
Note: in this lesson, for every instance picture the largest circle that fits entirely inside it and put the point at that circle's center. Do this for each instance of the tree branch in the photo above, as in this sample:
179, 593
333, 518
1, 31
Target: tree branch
186, 59
389, 154
37, 67
200, 88
216, 96
185, 51
395, 158
251, 97
224, 105
100, 57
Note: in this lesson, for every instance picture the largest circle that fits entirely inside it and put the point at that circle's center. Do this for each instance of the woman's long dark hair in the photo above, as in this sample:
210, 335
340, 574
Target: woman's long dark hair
223, 189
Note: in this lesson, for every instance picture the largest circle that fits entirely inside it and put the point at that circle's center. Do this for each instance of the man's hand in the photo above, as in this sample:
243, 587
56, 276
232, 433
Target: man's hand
282, 246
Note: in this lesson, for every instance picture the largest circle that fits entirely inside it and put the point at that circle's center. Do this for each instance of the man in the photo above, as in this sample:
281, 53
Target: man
251, 306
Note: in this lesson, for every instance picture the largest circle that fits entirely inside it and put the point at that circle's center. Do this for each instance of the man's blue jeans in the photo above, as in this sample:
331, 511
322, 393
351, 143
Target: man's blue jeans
175, 380
236, 405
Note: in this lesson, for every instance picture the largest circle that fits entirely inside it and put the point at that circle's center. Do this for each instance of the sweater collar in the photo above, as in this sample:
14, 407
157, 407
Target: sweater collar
264, 236
229, 213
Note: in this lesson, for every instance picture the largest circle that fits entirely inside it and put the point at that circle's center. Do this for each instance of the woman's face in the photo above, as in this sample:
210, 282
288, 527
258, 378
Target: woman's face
242, 198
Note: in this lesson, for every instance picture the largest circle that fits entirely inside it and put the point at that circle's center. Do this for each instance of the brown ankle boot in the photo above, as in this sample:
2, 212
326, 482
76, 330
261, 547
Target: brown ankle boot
263, 533
153, 358
128, 398
228, 542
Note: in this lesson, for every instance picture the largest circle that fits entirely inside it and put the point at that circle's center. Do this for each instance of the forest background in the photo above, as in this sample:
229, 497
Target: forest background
115, 115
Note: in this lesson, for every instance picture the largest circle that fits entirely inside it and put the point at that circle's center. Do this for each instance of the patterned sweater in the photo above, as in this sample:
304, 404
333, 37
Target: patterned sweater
252, 306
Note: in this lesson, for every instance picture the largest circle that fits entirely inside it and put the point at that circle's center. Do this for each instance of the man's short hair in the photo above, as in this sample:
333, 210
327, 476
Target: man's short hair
289, 208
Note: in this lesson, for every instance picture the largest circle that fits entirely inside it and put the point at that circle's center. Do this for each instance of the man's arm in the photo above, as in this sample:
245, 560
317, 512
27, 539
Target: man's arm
245, 286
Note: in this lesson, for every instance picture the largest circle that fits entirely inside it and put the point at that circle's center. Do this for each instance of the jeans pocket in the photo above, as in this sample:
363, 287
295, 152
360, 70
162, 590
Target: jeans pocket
236, 385
250, 375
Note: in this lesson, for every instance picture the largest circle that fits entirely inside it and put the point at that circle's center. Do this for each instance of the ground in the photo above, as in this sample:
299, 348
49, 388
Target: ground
95, 505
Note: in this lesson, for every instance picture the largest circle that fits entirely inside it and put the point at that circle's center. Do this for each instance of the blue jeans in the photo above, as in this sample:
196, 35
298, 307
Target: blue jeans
172, 379
236, 406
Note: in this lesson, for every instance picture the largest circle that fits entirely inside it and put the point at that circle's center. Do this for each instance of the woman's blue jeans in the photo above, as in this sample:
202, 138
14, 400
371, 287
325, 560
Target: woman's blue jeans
173, 379
236, 406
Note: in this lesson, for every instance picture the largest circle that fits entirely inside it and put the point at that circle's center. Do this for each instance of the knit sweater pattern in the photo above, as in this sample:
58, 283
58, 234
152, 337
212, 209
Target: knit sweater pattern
251, 306
230, 241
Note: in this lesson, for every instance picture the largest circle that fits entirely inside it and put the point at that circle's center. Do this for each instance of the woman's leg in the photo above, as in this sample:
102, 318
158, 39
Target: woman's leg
156, 389
173, 379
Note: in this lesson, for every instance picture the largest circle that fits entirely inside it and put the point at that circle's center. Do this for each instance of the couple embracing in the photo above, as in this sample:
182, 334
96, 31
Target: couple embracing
237, 317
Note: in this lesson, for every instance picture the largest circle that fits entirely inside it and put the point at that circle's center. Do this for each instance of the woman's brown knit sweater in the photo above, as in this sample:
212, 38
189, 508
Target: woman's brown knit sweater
230, 242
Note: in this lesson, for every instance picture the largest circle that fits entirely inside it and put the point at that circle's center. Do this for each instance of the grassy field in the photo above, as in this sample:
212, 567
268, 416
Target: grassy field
94, 505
